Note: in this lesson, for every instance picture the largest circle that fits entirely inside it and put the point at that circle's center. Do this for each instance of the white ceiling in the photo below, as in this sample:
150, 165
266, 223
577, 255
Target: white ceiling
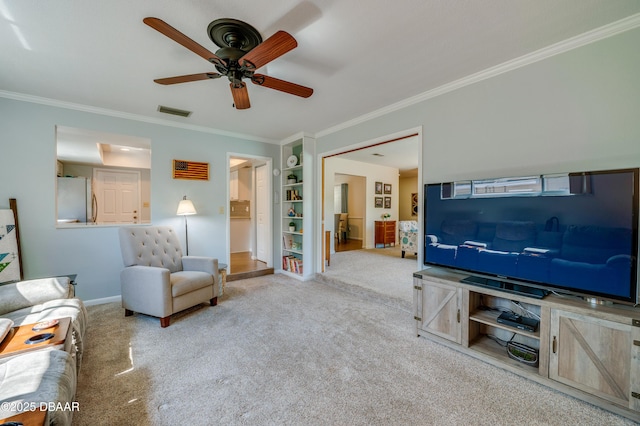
358, 56
401, 154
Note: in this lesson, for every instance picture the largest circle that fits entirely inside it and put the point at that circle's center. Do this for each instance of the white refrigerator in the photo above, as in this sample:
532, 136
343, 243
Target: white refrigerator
75, 201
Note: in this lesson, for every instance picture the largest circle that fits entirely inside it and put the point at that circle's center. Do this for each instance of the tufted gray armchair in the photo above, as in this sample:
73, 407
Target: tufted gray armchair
157, 280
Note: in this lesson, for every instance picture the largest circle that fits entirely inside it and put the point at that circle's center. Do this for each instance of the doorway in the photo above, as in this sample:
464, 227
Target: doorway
391, 169
250, 236
349, 211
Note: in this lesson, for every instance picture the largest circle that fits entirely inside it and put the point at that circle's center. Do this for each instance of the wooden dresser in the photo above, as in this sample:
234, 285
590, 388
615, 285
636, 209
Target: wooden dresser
385, 233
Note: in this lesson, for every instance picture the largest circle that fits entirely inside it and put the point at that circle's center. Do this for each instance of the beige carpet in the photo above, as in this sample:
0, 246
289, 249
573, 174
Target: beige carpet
374, 272
276, 351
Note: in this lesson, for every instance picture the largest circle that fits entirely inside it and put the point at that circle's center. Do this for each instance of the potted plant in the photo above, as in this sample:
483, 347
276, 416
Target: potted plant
385, 216
292, 226
292, 178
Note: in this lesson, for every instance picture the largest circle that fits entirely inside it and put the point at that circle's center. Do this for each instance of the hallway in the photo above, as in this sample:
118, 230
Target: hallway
348, 245
242, 266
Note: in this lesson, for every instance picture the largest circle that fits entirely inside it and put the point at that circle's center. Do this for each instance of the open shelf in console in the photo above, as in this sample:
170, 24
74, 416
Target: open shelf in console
488, 336
490, 318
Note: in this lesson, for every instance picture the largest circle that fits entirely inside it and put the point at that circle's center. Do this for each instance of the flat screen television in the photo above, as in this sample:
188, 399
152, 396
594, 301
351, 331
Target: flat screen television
569, 232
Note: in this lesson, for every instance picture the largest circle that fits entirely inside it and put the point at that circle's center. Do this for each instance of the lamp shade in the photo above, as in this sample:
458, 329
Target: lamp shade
185, 207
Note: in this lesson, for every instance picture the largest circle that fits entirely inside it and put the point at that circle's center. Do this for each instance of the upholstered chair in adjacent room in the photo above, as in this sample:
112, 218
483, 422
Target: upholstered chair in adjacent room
157, 280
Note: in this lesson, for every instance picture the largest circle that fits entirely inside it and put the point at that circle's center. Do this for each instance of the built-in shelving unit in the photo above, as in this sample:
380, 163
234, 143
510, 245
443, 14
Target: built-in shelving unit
297, 212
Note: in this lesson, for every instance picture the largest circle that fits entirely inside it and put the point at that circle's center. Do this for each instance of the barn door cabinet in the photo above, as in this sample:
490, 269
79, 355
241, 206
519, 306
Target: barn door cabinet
587, 351
597, 355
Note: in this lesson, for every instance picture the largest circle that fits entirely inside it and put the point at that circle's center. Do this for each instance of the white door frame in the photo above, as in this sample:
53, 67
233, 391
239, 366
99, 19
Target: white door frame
269, 214
264, 168
319, 238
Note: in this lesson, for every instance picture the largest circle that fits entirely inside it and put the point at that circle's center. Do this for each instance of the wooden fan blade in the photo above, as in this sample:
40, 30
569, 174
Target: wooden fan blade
270, 49
175, 35
240, 96
281, 85
188, 78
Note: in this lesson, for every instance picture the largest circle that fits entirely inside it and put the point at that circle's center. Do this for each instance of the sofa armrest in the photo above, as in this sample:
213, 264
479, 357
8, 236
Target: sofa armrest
147, 289
619, 260
200, 263
23, 294
432, 239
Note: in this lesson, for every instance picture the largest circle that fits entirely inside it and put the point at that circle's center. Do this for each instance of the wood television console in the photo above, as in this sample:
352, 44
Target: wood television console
591, 352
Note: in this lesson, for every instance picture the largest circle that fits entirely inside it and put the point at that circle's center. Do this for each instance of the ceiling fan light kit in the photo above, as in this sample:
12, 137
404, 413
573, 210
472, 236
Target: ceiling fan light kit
241, 52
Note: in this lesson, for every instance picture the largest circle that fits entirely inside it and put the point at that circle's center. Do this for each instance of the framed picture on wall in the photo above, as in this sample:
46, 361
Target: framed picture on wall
414, 204
378, 201
378, 187
387, 202
387, 188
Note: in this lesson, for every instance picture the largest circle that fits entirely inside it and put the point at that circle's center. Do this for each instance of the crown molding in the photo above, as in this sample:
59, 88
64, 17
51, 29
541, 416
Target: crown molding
297, 136
589, 37
135, 117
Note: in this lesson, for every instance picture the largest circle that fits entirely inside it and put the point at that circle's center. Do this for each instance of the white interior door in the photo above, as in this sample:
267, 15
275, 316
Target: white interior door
117, 193
262, 206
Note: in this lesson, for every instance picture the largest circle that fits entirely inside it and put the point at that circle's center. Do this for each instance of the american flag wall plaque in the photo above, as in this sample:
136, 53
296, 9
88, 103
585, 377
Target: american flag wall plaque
193, 170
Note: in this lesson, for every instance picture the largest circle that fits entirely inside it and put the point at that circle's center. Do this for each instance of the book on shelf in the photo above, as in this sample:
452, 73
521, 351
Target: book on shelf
292, 264
292, 195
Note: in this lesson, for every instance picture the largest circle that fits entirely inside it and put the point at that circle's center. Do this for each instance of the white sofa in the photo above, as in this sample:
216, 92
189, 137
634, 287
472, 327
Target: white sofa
47, 375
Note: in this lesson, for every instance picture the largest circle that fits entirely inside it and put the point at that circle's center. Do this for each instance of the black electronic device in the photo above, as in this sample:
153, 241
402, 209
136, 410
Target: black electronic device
537, 234
523, 290
523, 353
518, 321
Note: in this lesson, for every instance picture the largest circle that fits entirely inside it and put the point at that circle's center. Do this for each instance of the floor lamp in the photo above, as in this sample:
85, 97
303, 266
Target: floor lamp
185, 208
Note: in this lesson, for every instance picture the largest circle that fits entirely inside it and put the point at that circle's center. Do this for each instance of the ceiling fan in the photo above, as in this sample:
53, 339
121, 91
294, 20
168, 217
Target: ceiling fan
241, 53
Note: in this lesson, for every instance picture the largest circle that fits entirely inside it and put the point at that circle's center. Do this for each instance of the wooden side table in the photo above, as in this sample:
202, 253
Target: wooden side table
222, 270
385, 232
35, 417
14, 343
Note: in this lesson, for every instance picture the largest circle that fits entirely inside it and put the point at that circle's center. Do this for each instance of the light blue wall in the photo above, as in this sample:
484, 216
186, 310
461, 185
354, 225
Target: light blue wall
27, 172
578, 110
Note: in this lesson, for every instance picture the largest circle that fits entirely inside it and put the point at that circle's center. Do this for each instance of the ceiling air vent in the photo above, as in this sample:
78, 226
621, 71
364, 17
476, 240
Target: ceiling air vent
174, 111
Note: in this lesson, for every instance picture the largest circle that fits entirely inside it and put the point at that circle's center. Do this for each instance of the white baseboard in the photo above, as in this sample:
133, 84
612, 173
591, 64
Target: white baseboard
103, 300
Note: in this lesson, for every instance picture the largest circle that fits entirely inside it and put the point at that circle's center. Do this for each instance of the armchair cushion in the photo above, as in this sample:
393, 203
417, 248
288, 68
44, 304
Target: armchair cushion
151, 246
184, 282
